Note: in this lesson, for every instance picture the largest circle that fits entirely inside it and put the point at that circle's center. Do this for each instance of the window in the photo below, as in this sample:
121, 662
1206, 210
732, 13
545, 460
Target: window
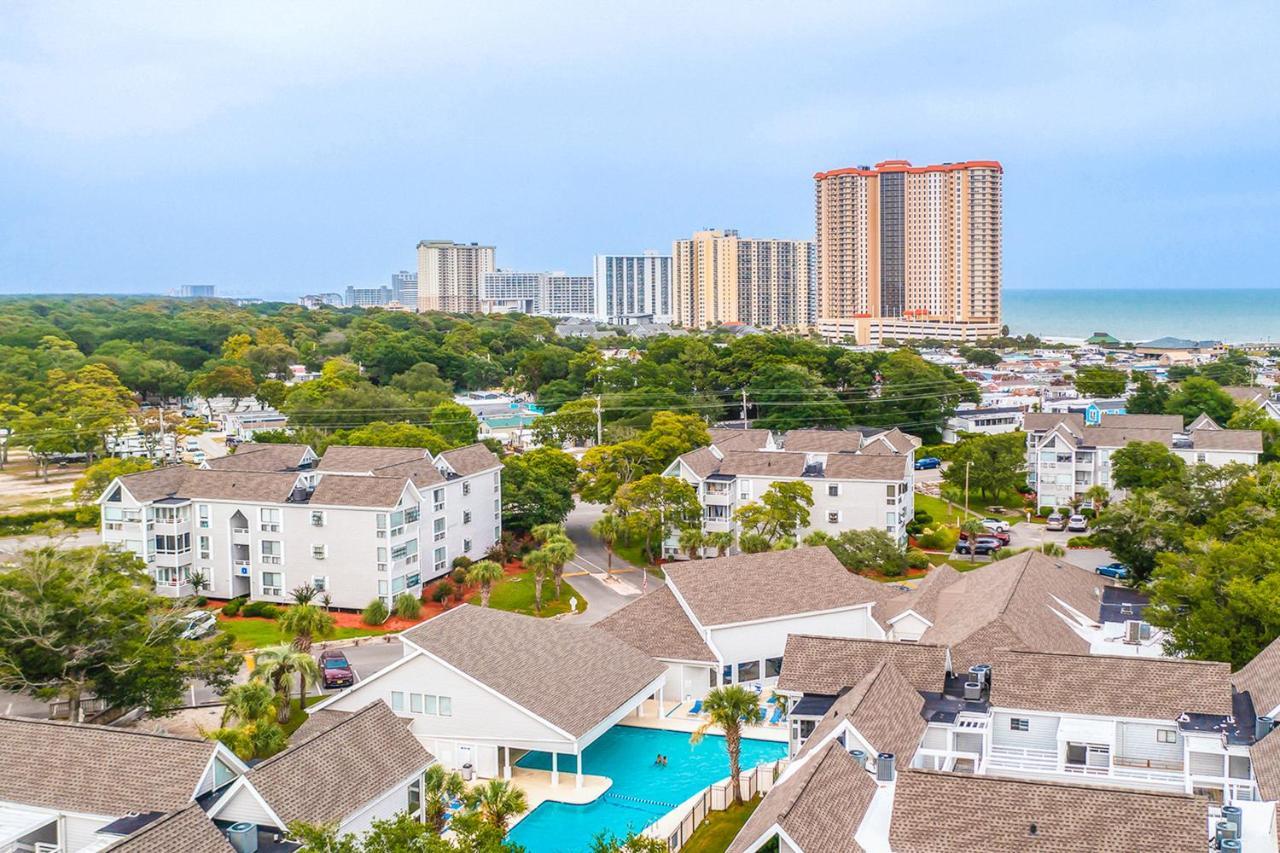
382, 559
726, 674
497, 507
1018, 724
744, 491
204, 547
272, 583
415, 796
433, 705
1200, 457
833, 517
466, 488
269, 520
397, 700
833, 490
382, 588
446, 702
405, 550
271, 552
203, 510
382, 525
437, 500
466, 516
466, 546
320, 583
437, 529
439, 564
397, 586
413, 580
497, 481
891, 494
1166, 736
317, 518
173, 543
412, 514
772, 667
319, 552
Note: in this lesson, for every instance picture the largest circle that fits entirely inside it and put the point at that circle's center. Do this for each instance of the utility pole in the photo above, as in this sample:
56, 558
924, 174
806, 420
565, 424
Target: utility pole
967, 466
744, 408
599, 423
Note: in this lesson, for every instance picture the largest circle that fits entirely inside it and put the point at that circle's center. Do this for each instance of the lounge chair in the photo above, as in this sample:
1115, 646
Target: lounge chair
696, 709
776, 718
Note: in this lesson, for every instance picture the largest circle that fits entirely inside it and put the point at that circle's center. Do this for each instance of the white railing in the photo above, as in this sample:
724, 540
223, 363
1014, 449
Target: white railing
676, 829
1159, 777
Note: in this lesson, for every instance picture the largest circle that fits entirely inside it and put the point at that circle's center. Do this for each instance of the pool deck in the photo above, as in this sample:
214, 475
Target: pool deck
675, 718
538, 789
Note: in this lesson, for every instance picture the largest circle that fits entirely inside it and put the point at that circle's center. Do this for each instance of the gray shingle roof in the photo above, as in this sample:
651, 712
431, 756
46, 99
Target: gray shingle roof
1248, 440
1107, 685
827, 665
1168, 423
1265, 756
944, 812
569, 675
739, 439
263, 458
820, 805
156, 483
1260, 678
192, 484
355, 459
866, 466
884, 708
822, 440
1042, 421
1247, 393
422, 472
703, 461
189, 830
762, 463
747, 587
329, 777
61, 766
357, 490
471, 459
657, 625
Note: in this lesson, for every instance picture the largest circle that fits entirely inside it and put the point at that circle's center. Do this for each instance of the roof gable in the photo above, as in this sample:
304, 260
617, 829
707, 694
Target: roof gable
657, 625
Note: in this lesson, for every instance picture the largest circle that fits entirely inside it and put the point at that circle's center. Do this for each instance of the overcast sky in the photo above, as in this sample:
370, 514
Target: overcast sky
273, 149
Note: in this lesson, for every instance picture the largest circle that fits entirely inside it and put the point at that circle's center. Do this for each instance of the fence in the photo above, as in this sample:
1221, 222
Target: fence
677, 829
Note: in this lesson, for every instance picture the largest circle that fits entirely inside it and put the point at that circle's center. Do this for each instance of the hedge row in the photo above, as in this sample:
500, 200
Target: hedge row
20, 524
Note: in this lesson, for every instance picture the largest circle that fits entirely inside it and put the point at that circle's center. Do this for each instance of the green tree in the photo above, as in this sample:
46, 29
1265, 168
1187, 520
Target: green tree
1148, 397
224, 380
727, 708
271, 393
1145, 464
608, 528
859, 550
281, 666
1097, 495
654, 506
562, 551
86, 620
608, 467
916, 394
789, 396
402, 434
573, 423
972, 528
782, 511
454, 422
485, 573
1196, 396
537, 488
1234, 368
1137, 529
995, 464
95, 479
981, 357
1251, 415
1100, 382
540, 564
306, 622
722, 541
497, 801
440, 787
692, 541
607, 842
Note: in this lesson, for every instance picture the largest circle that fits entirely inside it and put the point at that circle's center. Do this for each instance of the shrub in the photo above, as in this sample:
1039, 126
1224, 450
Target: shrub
1045, 511
443, 591
20, 524
464, 562
1088, 512
916, 559
1085, 541
408, 607
202, 601
376, 613
232, 607
459, 577
892, 570
923, 517
262, 609
938, 539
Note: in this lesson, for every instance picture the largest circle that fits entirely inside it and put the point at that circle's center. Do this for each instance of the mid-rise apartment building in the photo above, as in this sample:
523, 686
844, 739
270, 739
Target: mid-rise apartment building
719, 277
915, 248
359, 522
632, 289
321, 300
1066, 456
449, 275
404, 289
196, 291
367, 297
552, 294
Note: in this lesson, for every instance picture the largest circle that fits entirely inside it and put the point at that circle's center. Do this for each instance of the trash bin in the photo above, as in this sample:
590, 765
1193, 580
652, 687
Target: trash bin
467, 772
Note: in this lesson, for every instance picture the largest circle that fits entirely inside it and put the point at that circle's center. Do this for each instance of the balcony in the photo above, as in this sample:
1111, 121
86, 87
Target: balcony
1044, 764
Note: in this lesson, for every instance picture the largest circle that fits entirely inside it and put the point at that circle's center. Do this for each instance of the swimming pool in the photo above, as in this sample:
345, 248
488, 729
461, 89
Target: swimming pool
641, 792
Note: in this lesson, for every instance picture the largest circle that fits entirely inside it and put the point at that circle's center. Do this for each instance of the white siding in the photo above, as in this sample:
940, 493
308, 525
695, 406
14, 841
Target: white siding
1042, 731
767, 639
243, 805
935, 737
388, 805
908, 627
1138, 741
82, 830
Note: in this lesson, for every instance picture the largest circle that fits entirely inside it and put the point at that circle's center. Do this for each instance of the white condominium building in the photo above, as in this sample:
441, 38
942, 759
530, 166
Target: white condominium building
719, 277
552, 294
633, 289
449, 275
359, 522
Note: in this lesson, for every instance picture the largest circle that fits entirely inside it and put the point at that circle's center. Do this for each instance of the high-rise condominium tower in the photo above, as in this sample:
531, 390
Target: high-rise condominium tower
909, 251
719, 277
449, 275
633, 288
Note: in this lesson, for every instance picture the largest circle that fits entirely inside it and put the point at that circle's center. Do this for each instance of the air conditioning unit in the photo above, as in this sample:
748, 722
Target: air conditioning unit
242, 571
243, 836
1132, 631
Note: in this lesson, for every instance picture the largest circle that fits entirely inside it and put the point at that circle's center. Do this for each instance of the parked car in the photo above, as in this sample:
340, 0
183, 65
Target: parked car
982, 546
1056, 521
193, 444
199, 623
1078, 524
1002, 538
996, 525
1119, 571
928, 462
335, 669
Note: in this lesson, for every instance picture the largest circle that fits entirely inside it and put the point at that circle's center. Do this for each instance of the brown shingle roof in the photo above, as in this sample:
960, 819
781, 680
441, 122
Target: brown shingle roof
1265, 757
748, 587
703, 461
864, 466
1260, 677
156, 483
362, 460
357, 490
1247, 393
189, 830
471, 459
61, 766
739, 439
822, 440
193, 484
902, 442
762, 463
1165, 423
1248, 440
657, 625
264, 458
924, 598
1107, 685
422, 472
1044, 421
944, 812
1121, 436
329, 777
318, 722
570, 675
827, 665
884, 708
820, 805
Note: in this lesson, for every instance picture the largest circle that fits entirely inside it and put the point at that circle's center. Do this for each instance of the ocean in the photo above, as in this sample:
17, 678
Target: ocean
1234, 316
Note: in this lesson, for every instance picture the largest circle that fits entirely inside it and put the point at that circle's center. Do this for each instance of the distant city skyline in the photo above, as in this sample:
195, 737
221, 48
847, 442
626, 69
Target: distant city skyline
144, 147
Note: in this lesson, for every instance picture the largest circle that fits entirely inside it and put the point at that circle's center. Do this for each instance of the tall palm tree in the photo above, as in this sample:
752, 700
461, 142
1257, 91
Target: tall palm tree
973, 528
608, 529
722, 541
306, 623
497, 801
249, 702
1098, 495
728, 707
486, 573
440, 787
279, 666
543, 532
539, 564
691, 541
562, 552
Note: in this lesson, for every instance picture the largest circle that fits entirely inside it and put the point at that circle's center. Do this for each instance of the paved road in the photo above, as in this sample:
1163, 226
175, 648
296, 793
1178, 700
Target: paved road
213, 444
604, 593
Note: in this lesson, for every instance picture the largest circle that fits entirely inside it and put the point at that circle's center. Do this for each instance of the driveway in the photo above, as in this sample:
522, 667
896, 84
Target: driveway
1026, 535
604, 592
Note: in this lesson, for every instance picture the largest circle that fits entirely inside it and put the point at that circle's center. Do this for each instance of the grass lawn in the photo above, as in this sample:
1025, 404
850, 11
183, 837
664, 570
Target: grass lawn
1011, 500
719, 829
515, 593
940, 509
296, 715
258, 633
633, 554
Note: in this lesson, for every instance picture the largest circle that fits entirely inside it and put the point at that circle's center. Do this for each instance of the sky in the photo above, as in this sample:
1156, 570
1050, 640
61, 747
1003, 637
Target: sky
275, 149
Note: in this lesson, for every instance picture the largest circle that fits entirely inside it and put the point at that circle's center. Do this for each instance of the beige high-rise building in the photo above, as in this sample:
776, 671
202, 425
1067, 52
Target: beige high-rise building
449, 275
909, 251
718, 277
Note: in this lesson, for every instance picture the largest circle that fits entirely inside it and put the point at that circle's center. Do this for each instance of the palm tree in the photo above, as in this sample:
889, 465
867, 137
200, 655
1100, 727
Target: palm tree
722, 541
973, 528
279, 666
249, 702
199, 581
440, 787
306, 622
562, 552
497, 801
486, 573
303, 594
539, 564
543, 532
691, 541
608, 529
728, 707
1098, 495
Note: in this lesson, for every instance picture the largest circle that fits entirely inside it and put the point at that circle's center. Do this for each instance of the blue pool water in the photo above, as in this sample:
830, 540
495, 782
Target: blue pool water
641, 791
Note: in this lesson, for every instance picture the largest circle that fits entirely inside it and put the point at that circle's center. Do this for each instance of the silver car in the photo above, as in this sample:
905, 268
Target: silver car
1077, 524
199, 623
